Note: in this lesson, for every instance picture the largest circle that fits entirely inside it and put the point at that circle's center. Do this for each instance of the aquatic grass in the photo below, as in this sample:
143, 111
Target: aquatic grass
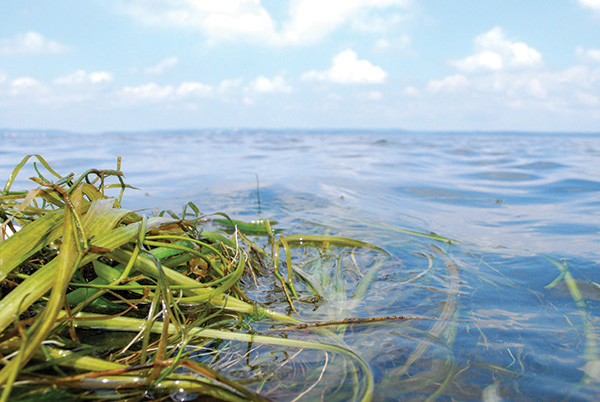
203, 304
442, 332
166, 280
591, 354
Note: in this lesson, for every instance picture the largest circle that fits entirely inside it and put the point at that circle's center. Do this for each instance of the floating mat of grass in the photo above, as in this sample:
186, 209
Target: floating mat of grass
74, 266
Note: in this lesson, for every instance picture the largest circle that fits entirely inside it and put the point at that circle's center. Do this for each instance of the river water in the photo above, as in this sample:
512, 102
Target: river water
522, 208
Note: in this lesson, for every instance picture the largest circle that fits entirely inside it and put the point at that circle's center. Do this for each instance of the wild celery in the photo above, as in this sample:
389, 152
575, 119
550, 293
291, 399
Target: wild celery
169, 284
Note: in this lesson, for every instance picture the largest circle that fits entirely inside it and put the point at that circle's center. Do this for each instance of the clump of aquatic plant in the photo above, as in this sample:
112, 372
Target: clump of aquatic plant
100, 302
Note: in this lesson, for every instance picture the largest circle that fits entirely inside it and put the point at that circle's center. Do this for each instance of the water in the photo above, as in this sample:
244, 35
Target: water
522, 206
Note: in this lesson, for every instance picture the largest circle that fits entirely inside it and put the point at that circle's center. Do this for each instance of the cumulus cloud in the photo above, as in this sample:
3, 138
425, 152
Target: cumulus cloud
313, 19
574, 88
373, 95
411, 90
162, 65
146, 93
224, 19
348, 69
229, 85
450, 83
493, 52
194, 89
80, 77
26, 86
590, 55
75, 87
30, 42
155, 93
400, 43
593, 4
309, 20
263, 85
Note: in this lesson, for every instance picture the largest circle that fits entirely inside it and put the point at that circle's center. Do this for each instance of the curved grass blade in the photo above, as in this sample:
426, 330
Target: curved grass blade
133, 324
29, 240
20, 298
336, 241
591, 368
17, 169
256, 228
68, 258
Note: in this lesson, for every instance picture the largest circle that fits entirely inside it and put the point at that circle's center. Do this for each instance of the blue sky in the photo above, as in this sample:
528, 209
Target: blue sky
101, 65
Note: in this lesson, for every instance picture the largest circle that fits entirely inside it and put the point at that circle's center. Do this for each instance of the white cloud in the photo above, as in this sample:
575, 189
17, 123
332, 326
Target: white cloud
155, 93
146, 93
80, 77
411, 91
24, 91
313, 19
593, 4
565, 91
587, 98
493, 52
592, 55
229, 85
348, 69
263, 85
373, 95
162, 65
376, 23
26, 85
30, 42
223, 19
309, 20
400, 43
194, 89
450, 83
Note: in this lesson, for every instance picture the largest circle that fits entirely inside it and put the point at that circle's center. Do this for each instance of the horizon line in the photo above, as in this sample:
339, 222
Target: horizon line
314, 130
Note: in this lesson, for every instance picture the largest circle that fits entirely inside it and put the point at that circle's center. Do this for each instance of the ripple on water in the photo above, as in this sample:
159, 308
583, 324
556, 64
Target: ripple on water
447, 196
504, 176
541, 165
566, 186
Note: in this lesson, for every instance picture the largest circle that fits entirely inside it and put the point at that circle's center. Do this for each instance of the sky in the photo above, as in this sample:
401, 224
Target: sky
135, 65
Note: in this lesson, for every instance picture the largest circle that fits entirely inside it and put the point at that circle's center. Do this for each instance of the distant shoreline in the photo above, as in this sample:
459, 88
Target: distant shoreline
280, 131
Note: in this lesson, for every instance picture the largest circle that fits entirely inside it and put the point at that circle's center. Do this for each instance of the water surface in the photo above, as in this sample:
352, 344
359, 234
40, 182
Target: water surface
522, 207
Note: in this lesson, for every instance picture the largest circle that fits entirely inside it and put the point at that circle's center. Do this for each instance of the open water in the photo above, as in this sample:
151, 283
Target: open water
515, 300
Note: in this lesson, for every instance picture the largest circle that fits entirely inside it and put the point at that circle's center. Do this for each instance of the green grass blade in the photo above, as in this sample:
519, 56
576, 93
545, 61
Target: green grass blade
336, 241
18, 168
134, 325
67, 259
29, 240
20, 298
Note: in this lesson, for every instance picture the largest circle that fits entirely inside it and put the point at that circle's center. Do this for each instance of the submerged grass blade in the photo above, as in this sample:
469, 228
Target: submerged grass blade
132, 324
591, 354
324, 241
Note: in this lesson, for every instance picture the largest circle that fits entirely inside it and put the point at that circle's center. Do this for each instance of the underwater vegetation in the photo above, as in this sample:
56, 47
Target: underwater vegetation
103, 303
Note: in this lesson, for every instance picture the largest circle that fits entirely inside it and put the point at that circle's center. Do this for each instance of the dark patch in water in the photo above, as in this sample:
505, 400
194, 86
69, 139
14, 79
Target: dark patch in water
562, 187
505, 176
542, 165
